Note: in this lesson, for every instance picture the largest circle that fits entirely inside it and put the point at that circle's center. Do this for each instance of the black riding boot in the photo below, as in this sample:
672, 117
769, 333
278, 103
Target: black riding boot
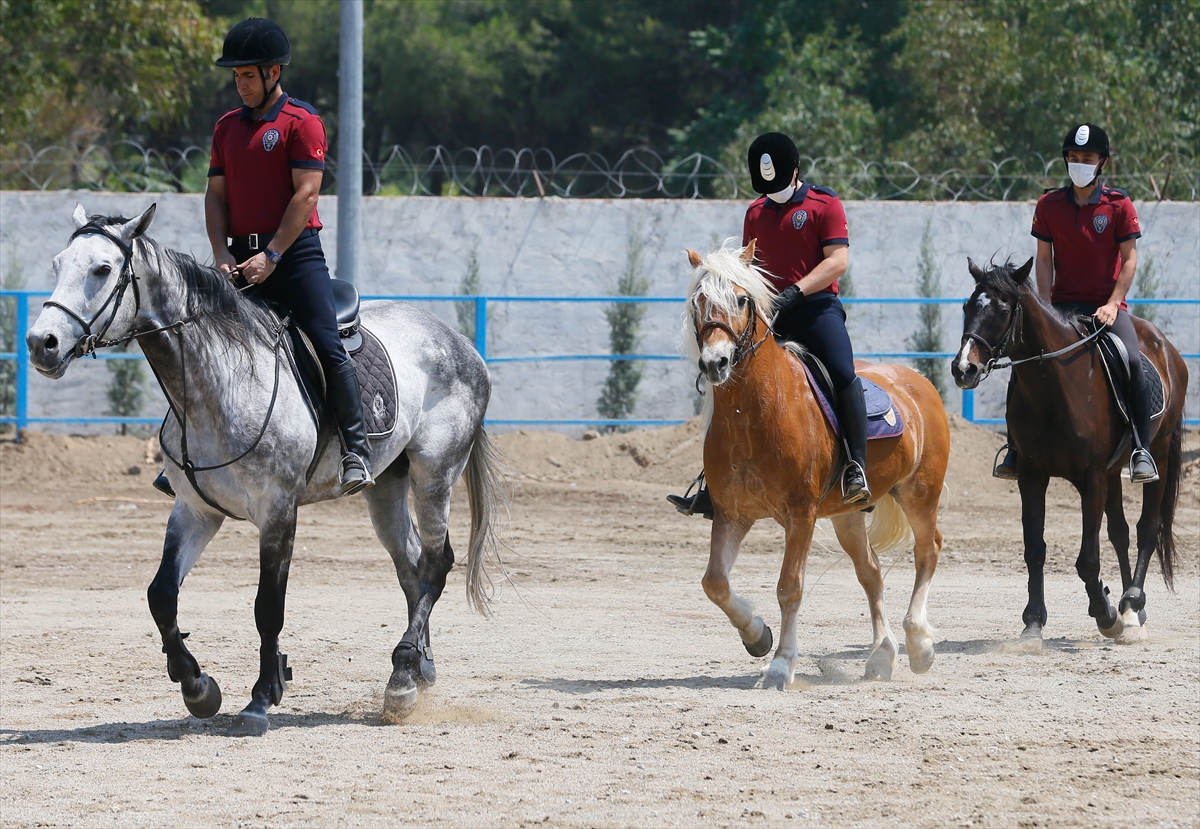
690, 504
1007, 468
1142, 469
852, 412
346, 402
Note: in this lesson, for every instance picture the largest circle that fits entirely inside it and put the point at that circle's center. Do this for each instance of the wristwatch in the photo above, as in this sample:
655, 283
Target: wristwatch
272, 256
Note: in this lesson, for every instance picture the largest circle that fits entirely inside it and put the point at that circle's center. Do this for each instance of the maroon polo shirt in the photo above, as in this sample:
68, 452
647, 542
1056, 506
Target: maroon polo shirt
792, 237
257, 158
1086, 239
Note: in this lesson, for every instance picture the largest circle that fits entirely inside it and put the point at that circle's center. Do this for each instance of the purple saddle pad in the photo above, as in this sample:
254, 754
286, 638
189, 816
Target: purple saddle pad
883, 421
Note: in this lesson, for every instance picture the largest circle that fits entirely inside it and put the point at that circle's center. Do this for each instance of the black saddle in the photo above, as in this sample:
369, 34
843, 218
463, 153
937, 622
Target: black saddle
345, 304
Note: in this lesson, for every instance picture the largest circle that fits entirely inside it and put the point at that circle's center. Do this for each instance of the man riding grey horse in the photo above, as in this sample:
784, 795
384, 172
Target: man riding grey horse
260, 210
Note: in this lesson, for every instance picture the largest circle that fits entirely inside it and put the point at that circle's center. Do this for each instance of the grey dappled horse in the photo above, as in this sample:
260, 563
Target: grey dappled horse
251, 442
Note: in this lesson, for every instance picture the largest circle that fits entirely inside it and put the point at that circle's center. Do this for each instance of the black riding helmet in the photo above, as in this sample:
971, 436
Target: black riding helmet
772, 159
1086, 137
256, 42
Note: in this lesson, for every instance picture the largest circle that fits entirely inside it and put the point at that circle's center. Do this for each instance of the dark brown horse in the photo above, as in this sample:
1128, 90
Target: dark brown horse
1064, 423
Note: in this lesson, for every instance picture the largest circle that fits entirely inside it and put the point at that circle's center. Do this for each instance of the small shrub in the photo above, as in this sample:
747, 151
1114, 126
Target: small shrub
928, 336
625, 335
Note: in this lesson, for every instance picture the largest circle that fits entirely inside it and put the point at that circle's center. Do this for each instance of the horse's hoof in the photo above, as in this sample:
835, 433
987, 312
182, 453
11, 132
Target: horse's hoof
1132, 631
202, 696
250, 724
921, 656
1115, 630
400, 698
1033, 630
882, 662
763, 646
776, 677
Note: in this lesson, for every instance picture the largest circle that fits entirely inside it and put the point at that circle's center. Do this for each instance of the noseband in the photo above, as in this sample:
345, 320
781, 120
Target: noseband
93, 340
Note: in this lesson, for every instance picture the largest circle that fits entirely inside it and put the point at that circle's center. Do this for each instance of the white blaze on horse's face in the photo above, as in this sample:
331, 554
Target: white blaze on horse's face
717, 348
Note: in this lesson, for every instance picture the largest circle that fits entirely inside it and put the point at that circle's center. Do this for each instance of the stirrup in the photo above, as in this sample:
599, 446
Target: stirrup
689, 504
1146, 477
1000, 469
350, 485
859, 494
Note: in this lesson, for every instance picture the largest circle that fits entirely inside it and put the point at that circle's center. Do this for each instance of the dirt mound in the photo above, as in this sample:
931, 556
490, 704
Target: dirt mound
42, 462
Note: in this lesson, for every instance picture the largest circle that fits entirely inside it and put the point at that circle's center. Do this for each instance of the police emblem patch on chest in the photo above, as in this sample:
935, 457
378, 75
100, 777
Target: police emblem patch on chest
270, 139
799, 218
1100, 221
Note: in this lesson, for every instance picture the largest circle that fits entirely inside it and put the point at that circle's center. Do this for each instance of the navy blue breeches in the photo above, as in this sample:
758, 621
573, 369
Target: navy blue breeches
300, 283
819, 324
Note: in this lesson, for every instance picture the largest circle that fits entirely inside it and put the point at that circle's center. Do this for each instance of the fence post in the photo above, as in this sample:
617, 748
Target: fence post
481, 326
968, 404
22, 390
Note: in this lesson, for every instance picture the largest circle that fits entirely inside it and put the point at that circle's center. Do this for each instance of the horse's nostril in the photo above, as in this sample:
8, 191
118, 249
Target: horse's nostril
721, 363
50, 343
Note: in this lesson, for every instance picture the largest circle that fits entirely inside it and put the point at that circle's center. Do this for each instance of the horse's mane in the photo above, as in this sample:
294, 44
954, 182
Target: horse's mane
715, 279
997, 281
217, 305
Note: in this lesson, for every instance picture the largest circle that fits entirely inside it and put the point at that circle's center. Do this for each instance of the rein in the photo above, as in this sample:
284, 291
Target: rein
93, 341
995, 354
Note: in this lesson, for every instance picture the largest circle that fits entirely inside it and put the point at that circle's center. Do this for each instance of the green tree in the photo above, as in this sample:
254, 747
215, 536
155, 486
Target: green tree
625, 334
76, 69
928, 336
126, 387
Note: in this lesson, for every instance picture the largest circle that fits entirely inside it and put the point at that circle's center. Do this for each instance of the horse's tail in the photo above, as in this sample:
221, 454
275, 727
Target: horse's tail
486, 493
889, 525
1166, 510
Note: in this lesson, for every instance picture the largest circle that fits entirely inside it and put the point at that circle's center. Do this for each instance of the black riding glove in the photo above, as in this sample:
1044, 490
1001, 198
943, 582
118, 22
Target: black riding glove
789, 296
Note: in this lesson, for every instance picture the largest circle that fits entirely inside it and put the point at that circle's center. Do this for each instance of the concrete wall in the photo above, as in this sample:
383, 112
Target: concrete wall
579, 248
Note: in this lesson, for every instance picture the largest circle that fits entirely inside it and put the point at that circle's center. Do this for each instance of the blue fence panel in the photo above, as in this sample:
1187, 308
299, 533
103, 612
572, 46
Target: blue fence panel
21, 418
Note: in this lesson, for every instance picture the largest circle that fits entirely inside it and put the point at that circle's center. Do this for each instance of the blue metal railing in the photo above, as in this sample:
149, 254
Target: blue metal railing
21, 417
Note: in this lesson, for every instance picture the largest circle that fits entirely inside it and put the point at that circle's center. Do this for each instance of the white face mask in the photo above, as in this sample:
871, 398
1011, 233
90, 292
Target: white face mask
1082, 174
783, 195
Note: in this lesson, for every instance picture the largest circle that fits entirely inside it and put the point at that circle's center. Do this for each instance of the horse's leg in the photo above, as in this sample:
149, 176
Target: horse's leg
927, 538
852, 535
1092, 494
276, 536
388, 504
1132, 606
1118, 527
1033, 526
188, 533
789, 591
412, 661
722, 553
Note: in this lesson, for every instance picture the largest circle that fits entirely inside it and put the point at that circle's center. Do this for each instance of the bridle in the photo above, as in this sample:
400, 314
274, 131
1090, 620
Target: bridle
744, 344
92, 341
996, 353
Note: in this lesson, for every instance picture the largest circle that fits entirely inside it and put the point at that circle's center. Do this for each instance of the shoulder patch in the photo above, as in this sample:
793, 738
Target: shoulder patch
821, 189
306, 107
1115, 193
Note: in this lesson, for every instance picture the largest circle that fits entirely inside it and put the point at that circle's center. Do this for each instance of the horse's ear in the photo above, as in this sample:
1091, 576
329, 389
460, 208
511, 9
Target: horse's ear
79, 216
748, 252
136, 227
976, 273
1022, 273
694, 258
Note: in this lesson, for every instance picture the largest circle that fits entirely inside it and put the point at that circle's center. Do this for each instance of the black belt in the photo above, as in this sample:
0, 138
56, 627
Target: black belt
259, 241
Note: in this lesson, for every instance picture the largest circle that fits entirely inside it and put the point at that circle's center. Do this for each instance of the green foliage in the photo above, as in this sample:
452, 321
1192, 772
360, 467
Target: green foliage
126, 387
75, 69
625, 335
469, 285
1148, 285
928, 336
13, 278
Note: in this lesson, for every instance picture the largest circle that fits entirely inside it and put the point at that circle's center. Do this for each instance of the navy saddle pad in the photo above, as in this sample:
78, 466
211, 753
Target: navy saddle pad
883, 421
376, 380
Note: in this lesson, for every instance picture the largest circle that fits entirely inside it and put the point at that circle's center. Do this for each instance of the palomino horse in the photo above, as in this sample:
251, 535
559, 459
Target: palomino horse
244, 445
769, 453
1064, 423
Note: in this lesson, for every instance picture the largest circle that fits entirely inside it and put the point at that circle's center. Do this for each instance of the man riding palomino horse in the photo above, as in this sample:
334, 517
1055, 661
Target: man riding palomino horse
1086, 259
803, 245
260, 210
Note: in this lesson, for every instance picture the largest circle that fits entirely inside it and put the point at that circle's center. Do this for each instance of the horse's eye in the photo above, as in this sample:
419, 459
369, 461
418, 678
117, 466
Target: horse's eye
103, 270
741, 302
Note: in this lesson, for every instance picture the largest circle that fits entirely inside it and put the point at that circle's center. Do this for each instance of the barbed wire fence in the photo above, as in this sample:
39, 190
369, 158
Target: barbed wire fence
127, 166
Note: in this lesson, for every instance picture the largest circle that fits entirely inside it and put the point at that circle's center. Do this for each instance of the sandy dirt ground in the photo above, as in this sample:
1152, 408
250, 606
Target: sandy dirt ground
606, 690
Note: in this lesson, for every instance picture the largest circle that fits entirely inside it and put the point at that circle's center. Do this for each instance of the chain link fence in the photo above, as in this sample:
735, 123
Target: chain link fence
639, 173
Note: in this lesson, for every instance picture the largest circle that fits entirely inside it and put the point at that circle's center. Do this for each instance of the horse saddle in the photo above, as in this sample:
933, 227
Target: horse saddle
883, 421
1114, 358
376, 377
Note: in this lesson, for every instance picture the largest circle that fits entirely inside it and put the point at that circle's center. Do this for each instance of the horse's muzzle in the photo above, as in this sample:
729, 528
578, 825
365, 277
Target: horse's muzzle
966, 375
47, 355
716, 370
